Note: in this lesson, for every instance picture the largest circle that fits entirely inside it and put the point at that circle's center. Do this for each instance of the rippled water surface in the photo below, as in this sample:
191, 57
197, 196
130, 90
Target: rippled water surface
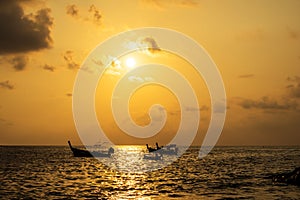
227, 172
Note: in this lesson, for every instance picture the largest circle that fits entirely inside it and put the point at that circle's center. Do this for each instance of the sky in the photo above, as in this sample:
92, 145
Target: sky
255, 44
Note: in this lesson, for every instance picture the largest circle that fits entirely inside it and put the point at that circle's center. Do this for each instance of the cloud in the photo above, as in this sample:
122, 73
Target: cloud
163, 4
72, 10
6, 85
6, 122
269, 104
138, 79
135, 79
23, 33
96, 14
68, 57
19, 62
202, 108
294, 87
251, 35
48, 68
147, 43
293, 34
246, 76
93, 14
151, 44
288, 101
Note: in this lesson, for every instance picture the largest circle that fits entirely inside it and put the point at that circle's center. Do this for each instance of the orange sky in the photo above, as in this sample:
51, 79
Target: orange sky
255, 44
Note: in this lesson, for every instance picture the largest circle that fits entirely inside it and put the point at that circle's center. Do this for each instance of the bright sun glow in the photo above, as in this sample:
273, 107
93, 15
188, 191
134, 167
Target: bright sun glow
130, 62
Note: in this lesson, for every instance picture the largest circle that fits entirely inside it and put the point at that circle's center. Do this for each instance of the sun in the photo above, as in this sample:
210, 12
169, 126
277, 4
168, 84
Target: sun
130, 62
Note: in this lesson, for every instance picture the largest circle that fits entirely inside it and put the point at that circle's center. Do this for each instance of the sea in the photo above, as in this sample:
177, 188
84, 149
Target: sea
228, 172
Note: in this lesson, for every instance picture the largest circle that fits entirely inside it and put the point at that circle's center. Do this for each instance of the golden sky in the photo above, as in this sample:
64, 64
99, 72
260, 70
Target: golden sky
255, 44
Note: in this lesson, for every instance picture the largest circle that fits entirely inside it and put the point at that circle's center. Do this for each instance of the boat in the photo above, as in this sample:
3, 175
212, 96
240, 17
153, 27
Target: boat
171, 149
292, 178
84, 153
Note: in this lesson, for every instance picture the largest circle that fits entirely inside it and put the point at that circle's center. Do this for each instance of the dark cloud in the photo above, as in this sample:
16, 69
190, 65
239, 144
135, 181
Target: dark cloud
23, 33
96, 14
151, 44
19, 62
68, 57
294, 88
72, 10
49, 68
269, 104
6, 85
246, 76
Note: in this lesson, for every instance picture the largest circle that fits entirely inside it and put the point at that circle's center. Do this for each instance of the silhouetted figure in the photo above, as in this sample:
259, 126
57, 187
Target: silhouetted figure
150, 149
158, 147
111, 150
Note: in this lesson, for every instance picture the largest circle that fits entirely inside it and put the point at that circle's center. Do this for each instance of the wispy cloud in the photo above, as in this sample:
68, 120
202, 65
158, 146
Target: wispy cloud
294, 87
6, 122
151, 44
138, 79
6, 85
148, 43
19, 62
251, 35
93, 14
292, 33
49, 68
246, 76
202, 108
23, 33
68, 57
269, 104
72, 10
96, 14
163, 4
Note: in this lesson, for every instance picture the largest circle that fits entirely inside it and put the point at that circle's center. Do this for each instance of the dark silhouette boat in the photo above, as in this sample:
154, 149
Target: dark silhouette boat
292, 178
171, 149
84, 153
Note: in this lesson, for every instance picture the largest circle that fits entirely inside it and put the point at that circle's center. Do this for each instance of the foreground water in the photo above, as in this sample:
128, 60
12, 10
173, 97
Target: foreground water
226, 173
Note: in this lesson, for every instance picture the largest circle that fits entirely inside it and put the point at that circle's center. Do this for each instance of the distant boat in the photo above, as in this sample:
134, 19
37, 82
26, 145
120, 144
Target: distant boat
171, 149
85, 153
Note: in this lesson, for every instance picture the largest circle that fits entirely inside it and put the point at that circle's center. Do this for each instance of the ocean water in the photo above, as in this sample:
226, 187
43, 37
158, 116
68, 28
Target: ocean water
226, 173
